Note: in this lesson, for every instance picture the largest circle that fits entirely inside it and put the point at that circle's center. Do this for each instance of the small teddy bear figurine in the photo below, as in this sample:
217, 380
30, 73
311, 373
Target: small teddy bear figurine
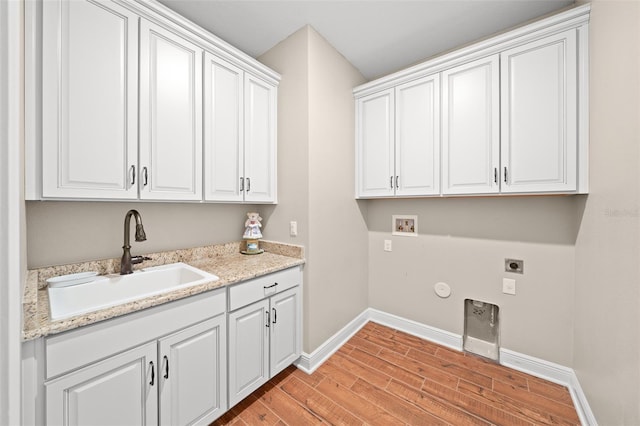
252, 226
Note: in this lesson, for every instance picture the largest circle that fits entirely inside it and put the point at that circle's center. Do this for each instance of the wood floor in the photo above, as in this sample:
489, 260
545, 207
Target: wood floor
385, 377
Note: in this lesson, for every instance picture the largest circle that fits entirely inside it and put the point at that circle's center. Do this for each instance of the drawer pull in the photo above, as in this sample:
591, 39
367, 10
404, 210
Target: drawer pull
268, 319
275, 316
270, 286
153, 374
166, 370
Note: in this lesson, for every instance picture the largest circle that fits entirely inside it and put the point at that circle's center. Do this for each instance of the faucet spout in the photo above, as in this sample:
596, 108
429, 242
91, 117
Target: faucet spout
126, 263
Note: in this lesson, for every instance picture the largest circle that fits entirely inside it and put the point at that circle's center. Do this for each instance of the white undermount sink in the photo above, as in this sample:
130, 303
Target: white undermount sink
112, 290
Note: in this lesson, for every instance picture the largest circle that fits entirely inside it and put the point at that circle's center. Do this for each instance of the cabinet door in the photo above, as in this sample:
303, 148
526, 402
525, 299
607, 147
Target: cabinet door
539, 115
417, 140
374, 145
470, 129
286, 330
89, 100
121, 390
170, 116
192, 376
223, 130
260, 118
248, 350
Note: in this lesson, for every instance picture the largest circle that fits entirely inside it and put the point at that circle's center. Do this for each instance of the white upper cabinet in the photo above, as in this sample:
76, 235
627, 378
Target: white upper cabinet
259, 140
170, 116
514, 118
470, 134
223, 130
539, 115
124, 88
417, 137
398, 137
240, 134
375, 144
89, 100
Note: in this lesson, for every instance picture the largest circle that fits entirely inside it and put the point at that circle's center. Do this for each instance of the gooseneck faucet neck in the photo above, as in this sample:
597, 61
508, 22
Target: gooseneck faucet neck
126, 263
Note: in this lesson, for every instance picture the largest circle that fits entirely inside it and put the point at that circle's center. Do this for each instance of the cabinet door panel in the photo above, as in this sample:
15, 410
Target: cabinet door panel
375, 146
117, 391
259, 140
539, 110
286, 332
470, 132
248, 350
417, 142
223, 130
90, 76
170, 115
193, 374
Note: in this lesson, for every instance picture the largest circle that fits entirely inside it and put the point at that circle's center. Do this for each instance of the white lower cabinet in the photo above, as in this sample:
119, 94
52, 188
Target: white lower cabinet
265, 330
117, 391
174, 378
172, 364
192, 375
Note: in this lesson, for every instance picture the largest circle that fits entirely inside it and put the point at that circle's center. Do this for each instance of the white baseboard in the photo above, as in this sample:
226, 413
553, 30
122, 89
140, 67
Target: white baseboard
554, 373
442, 337
527, 364
310, 362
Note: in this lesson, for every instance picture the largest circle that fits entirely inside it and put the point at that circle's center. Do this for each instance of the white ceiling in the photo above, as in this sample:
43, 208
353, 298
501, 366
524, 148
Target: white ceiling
377, 37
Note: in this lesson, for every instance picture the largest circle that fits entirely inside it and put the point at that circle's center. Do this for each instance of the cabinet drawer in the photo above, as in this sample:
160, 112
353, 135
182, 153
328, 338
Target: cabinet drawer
74, 349
251, 291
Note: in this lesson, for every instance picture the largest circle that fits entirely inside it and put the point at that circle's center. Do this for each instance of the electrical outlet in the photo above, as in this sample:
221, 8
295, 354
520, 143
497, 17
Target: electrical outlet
508, 286
387, 245
293, 228
514, 265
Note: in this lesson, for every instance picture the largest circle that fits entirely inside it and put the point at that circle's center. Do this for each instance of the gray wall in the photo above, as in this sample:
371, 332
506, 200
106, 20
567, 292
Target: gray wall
315, 137
60, 232
607, 296
463, 242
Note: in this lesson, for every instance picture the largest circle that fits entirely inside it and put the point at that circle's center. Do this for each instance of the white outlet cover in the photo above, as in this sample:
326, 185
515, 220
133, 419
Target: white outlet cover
508, 286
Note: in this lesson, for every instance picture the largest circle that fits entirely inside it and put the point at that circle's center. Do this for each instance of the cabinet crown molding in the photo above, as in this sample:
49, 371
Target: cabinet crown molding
571, 18
152, 9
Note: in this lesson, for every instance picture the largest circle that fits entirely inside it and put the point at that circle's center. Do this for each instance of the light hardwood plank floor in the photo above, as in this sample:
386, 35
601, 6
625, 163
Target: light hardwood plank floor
383, 376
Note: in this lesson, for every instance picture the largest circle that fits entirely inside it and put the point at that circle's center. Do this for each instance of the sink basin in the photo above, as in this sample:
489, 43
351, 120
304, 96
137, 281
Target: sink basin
112, 290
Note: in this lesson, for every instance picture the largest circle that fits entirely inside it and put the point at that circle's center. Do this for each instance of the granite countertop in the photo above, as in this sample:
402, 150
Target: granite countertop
223, 260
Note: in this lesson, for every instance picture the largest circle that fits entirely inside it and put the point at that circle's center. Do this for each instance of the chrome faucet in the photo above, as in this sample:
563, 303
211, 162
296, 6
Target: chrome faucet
127, 262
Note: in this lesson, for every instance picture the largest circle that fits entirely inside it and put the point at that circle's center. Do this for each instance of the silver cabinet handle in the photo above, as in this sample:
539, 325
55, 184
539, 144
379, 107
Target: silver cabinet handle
268, 318
248, 184
241, 184
495, 175
166, 369
505, 175
133, 174
275, 316
153, 374
391, 182
397, 182
145, 176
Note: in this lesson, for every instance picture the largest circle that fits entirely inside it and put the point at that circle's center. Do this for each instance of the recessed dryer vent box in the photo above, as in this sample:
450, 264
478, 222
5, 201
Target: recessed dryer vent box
481, 329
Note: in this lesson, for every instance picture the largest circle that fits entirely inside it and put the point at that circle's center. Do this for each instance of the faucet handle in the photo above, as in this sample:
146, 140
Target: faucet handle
139, 259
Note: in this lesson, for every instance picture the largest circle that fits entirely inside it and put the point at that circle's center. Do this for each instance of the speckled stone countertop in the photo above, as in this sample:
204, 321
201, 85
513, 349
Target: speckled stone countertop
223, 260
